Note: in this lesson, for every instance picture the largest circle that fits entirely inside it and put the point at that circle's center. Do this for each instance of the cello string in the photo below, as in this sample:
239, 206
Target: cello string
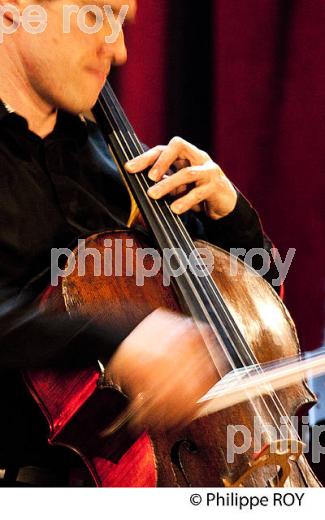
138, 148
145, 195
176, 221
183, 232
277, 402
254, 406
137, 145
139, 151
167, 224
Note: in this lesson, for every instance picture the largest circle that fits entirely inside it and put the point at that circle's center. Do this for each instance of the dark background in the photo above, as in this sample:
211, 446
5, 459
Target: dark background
244, 80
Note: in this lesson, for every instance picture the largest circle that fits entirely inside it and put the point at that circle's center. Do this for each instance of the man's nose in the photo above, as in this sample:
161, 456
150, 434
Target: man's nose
114, 51
120, 52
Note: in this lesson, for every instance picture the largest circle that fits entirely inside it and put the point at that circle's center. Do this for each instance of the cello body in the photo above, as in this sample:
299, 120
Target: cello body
205, 453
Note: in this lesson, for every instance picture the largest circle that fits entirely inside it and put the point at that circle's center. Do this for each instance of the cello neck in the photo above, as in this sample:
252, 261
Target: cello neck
199, 295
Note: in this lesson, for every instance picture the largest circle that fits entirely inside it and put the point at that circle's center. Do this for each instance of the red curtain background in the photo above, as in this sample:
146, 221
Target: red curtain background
244, 79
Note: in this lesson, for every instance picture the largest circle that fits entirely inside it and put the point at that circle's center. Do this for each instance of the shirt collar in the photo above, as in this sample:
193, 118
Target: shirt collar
68, 126
4, 110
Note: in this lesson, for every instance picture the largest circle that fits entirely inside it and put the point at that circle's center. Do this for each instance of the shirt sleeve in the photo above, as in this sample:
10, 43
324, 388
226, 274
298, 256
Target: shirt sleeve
30, 339
240, 229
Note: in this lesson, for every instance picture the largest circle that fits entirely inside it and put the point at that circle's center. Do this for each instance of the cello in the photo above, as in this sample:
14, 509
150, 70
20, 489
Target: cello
250, 324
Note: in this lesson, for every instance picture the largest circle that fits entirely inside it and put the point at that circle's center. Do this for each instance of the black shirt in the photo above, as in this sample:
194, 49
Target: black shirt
52, 191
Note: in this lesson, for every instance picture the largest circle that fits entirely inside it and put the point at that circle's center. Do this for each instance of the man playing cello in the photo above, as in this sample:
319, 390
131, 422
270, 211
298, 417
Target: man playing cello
58, 182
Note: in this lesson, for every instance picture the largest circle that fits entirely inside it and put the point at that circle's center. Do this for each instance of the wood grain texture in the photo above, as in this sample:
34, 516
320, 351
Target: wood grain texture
77, 411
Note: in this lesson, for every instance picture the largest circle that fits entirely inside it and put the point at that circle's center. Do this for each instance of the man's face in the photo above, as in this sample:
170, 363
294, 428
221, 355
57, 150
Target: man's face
67, 68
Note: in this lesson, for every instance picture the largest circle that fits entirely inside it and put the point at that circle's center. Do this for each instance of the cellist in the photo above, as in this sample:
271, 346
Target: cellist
58, 182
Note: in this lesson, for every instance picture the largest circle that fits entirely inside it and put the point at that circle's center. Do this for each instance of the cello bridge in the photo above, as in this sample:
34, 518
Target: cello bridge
277, 454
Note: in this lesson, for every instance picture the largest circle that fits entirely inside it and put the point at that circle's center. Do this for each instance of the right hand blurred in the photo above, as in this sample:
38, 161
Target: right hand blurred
165, 361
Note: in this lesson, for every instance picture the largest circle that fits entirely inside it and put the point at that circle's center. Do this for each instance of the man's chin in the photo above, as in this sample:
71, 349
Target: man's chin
78, 105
